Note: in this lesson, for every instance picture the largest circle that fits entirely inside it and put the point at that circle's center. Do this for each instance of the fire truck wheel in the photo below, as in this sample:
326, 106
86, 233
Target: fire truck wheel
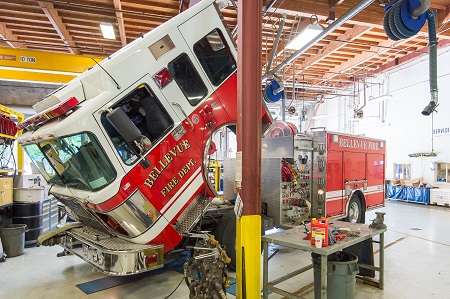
225, 233
354, 210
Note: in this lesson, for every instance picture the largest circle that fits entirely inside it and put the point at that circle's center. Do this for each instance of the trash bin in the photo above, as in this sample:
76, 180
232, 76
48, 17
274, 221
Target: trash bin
13, 239
342, 269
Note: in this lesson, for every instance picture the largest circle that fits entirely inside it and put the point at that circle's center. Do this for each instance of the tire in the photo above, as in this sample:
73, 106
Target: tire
225, 233
354, 213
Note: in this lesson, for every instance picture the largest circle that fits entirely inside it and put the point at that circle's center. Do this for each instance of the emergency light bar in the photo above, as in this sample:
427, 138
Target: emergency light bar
54, 112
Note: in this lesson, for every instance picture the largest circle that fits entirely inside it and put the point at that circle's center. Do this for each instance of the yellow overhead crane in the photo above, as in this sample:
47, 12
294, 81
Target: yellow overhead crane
41, 66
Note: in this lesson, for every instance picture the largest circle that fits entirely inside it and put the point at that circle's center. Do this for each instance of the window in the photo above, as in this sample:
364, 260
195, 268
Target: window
147, 114
402, 171
188, 79
215, 57
442, 172
75, 161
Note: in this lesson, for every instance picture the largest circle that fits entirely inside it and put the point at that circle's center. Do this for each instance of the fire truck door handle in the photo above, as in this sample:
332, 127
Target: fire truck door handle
185, 115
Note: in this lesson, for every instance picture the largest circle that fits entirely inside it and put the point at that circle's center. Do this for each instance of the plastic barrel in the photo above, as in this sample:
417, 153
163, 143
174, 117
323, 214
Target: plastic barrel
342, 269
13, 239
29, 213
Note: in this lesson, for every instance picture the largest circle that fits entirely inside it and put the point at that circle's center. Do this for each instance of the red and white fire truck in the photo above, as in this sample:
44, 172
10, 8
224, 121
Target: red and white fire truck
323, 174
124, 147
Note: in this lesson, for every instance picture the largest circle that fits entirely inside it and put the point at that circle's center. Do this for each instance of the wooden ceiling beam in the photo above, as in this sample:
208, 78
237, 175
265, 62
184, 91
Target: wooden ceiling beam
58, 24
350, 35
281, 45
407, 58
444, 16
120, 22
10, 38
365, 56
371, 16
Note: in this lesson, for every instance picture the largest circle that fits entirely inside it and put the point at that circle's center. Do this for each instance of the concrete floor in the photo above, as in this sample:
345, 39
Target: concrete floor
416, 260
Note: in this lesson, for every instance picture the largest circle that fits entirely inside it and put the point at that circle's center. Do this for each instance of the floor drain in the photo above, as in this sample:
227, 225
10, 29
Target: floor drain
415, 228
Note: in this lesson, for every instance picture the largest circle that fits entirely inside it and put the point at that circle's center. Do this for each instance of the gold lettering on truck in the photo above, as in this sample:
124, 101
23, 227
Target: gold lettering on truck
164, 162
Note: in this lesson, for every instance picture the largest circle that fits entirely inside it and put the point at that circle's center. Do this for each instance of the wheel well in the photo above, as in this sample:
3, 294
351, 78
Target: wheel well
362, 200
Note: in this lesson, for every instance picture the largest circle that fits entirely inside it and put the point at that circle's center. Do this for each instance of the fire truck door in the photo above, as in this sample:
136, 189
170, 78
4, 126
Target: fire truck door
354, 170
175, 159
375, 180
334, 184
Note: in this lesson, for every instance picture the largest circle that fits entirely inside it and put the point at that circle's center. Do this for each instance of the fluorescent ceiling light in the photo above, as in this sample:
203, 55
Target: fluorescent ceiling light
318, 116
107, 30
304, 37
381, 98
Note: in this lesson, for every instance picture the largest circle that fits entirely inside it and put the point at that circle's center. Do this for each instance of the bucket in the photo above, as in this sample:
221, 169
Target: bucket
342, 269
13, 239
29, 213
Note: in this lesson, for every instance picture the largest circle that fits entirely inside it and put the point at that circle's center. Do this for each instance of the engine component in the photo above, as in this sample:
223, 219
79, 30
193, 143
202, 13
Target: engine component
204, 273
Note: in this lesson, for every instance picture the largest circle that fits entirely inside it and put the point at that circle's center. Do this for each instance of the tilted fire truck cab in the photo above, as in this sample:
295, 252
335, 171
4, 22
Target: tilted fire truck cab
123, 145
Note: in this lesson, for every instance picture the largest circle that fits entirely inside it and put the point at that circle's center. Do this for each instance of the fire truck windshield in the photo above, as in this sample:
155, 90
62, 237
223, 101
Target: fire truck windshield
75, 161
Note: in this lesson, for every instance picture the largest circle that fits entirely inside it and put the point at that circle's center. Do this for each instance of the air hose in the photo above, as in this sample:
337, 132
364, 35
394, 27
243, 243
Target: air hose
403, 19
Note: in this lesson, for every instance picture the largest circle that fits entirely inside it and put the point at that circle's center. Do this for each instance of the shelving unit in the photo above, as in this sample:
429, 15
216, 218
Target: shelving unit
12, 114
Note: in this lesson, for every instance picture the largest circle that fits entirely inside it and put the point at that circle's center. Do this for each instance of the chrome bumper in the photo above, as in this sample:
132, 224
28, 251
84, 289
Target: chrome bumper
112, 255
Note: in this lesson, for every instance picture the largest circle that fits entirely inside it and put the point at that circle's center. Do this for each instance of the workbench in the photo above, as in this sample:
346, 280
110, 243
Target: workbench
293, 239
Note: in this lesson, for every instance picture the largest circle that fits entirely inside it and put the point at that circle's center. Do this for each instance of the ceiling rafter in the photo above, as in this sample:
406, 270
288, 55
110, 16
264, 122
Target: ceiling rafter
10, 38
120, 22
355, 46
58, 24
334, 46
365, 56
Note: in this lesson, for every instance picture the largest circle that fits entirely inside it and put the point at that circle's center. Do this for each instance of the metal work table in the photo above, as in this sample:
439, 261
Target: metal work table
293, 239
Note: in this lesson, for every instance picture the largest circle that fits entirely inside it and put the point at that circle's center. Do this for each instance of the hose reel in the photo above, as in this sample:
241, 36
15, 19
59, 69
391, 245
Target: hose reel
404, 19
274, 90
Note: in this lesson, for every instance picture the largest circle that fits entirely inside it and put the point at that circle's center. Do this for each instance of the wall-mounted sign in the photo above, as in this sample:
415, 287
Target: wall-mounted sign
8, 57
27, 59
441, 132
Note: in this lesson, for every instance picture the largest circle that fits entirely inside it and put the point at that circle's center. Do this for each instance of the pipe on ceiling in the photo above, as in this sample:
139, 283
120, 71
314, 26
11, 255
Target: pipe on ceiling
275, 44
336, 24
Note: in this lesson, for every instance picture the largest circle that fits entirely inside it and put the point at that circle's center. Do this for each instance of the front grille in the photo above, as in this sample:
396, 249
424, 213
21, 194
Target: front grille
87, 217
106, 242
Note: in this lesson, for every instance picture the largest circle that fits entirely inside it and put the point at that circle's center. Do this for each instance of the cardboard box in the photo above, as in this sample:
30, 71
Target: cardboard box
6, 191
398, 182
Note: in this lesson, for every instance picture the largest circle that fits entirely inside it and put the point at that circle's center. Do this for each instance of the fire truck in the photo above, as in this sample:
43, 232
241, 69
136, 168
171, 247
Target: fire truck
125, 148
322, 175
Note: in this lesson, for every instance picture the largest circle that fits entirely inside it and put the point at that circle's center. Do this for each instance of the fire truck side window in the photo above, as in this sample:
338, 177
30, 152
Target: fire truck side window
149, 116
188, 79
215, 57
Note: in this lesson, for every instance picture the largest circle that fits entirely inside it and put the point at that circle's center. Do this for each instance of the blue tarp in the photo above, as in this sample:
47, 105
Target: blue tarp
408, 193
396, 192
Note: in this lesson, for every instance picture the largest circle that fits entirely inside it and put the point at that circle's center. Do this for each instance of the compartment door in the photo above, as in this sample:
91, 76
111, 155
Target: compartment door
334, 184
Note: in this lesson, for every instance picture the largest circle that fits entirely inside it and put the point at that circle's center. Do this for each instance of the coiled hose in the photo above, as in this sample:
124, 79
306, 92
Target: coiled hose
396, 29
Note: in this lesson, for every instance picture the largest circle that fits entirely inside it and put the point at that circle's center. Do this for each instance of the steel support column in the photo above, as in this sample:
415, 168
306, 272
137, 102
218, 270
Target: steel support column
248, 228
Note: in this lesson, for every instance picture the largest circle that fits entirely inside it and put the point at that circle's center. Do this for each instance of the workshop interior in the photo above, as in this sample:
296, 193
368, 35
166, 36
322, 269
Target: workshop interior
224, 149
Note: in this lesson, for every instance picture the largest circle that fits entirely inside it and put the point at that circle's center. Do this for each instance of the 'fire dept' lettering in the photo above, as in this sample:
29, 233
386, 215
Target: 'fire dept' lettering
165, 161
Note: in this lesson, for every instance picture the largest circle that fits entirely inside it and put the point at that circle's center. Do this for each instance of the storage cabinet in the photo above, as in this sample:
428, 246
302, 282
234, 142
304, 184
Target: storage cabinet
50, 214
6, 191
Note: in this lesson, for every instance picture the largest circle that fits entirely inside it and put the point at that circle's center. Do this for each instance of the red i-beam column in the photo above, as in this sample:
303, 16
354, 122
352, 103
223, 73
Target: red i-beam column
248, 227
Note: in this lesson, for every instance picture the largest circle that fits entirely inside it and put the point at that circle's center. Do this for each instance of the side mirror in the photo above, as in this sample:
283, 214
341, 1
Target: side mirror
123, 124
127, 129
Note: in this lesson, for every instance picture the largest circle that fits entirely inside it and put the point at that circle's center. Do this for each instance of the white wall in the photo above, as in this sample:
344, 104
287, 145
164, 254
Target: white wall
405, 129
